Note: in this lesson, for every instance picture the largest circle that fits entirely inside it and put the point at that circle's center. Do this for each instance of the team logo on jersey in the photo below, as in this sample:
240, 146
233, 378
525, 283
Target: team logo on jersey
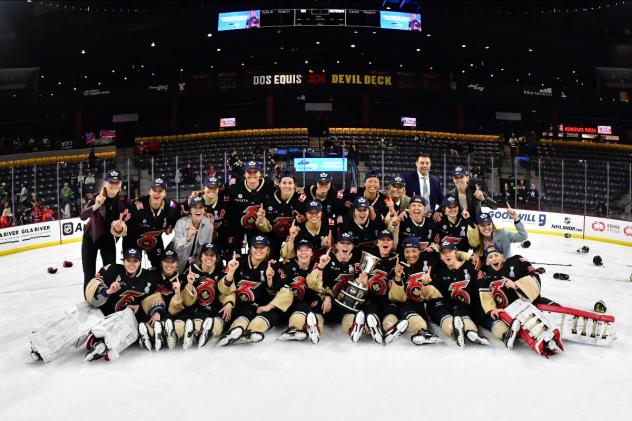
163, 290
206, 292
270, 208
250, 217
499, 296
414, 287
127, 298
240, 196
148, 241
281, 226
245, 290
458, 292
378, 283
299, 286
341, 280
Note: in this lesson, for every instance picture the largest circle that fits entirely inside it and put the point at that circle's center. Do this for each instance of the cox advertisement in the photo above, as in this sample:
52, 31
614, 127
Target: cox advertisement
541, 222
615, 231
321, 164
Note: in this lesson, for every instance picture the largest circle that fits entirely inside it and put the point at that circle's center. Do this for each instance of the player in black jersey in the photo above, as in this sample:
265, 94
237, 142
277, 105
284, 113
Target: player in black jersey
278, 212
414, 223
370, 191
409, 288
214, 298
169, 284
453, 225
115, 288
242, 201
216, 211
306, 310
381, 313
147, 219
260, 302
456, 306
505, 281
358, 223
316, 229
323, 190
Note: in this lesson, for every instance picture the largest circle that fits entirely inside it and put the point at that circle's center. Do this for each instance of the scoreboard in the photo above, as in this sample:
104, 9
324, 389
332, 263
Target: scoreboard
318, 17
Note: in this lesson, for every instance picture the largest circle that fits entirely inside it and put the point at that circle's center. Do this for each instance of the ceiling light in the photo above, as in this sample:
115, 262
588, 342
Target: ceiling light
83, 51
352, 45
463, 45
306, 61
209, 35
317, 42
530, 50
219, 49
487, 47
418, 49
153, 44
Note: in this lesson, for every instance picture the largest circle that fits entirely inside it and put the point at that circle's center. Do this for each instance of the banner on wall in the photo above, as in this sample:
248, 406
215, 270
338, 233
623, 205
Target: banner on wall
541, 222
25, 237
611, 230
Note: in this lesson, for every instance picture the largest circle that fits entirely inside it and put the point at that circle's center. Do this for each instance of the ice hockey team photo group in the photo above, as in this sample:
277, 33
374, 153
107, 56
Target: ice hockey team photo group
238, 258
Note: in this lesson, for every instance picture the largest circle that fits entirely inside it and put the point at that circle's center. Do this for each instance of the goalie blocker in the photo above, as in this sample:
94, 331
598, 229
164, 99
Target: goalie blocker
580, 326
535, 328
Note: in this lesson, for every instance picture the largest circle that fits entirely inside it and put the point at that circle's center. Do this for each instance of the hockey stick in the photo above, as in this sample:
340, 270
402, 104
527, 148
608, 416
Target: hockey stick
551, 264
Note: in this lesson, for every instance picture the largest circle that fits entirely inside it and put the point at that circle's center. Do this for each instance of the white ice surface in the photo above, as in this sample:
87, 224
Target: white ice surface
334, 379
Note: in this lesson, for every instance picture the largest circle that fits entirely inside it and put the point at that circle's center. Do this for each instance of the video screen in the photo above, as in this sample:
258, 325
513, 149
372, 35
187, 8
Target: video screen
400, 20
239, 20
228, 122
604, 129
409, 121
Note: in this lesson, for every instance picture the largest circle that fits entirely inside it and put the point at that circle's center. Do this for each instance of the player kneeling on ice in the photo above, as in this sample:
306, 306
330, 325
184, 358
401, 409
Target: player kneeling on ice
508, 291
254, 276
409, 287
452, 298
305, 313
213, 290
120, 291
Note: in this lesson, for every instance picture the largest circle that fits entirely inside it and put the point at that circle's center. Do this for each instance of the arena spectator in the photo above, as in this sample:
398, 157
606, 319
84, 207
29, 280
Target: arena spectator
89, 182
7, 219
521, 191
533, 196
66, 194
4, 193
47, 214
24, 195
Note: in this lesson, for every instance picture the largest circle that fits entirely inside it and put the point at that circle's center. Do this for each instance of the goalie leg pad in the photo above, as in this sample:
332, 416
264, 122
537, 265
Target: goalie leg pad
51, 339
536, 330
581, 326
119, 330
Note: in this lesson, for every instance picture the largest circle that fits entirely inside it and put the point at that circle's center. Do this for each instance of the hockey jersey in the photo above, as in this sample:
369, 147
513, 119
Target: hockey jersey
146, 225
364, 235
242, 205
455, 233
493, 292
211, 288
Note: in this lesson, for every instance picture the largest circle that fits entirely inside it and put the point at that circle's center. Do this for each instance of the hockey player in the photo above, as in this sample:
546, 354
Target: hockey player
214, 298
514, 280
305, 314
242, 201
151, 216
409, 288
178, 294
454, 305
324, 191
414, 223
370, 191
216, 210
332, 273
381, 313
261, 303
358, 223
278, 212
453, 225
122, 290
317, 230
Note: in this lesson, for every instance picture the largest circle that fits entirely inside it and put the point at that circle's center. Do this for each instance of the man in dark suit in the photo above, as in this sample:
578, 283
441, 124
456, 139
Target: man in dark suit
421, 183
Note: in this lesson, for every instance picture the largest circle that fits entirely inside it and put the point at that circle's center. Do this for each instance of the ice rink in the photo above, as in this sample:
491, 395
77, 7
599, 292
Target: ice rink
332, 380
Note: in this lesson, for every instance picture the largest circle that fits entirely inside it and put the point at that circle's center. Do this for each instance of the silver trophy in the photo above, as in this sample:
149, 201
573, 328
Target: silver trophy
352, 295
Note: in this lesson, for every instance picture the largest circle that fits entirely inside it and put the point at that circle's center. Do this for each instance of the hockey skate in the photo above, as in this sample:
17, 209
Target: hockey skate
395, 331
189, 334
476, 338
510, 336
143, 337
205, 333
249, 338
424, 337
170, 334
373, 325
96, 349
457, 331
292, 334
312, 328
356, 328
231, 336
159, 336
